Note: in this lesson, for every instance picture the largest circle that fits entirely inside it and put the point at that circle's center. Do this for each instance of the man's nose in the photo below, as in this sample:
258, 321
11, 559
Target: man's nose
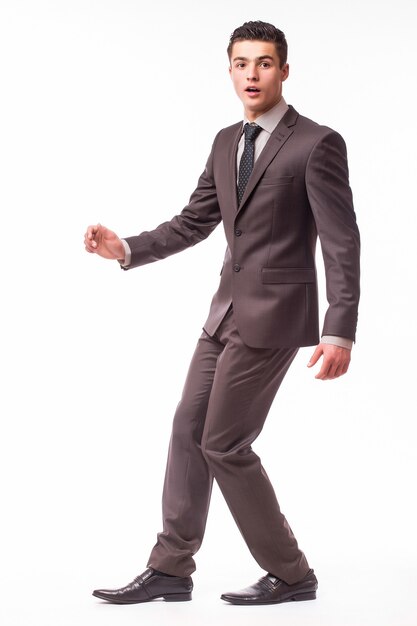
252, 72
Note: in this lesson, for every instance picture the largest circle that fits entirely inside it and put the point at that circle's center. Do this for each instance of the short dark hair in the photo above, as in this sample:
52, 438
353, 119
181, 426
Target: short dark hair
260, 31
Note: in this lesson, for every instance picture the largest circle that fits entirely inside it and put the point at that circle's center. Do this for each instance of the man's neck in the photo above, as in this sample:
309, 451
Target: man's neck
252, 116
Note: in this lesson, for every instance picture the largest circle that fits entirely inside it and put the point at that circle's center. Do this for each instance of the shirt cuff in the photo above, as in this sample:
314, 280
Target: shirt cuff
342, 342
128, 254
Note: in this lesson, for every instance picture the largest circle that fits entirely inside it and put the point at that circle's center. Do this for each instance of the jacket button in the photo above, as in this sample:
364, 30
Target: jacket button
238, 232
236, 268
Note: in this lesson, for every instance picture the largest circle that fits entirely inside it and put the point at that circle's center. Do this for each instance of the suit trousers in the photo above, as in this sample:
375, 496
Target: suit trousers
228, 391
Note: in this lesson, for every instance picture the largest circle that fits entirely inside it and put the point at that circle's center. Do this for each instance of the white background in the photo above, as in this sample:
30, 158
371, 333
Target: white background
94, 95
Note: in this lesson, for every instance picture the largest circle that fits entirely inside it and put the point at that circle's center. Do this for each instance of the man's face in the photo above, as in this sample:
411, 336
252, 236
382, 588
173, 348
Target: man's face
257, 76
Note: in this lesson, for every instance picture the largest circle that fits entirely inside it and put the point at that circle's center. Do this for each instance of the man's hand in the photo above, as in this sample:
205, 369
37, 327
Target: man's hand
335, 361
104, 242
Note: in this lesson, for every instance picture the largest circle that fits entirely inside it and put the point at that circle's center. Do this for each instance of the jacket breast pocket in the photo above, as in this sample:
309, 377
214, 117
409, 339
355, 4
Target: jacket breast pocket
288, 275
270, 179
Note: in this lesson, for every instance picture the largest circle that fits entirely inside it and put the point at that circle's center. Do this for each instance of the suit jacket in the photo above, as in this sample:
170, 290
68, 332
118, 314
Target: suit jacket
298, 189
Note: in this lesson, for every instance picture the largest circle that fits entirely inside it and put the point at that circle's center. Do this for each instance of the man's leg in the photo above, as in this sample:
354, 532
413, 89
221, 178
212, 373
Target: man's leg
245, 383
186, 495
188, 479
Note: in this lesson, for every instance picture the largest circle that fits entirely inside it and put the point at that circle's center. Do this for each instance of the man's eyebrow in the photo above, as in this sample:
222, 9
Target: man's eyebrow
261, 58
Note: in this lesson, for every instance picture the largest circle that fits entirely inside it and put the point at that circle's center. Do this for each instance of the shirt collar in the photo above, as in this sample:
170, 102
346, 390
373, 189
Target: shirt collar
269, 120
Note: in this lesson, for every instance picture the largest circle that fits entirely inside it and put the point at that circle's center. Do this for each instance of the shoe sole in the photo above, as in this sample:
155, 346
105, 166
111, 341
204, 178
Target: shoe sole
169, 597
299, 597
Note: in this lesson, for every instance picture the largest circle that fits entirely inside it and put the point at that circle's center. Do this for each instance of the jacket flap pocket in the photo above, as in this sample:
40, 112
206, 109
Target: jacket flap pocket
288, 275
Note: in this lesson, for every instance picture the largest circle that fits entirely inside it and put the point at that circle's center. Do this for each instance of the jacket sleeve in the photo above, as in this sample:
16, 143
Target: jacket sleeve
330, 197
195, 222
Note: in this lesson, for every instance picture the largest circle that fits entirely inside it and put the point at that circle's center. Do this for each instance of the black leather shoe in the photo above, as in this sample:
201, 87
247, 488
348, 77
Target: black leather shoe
272, 590
148, 586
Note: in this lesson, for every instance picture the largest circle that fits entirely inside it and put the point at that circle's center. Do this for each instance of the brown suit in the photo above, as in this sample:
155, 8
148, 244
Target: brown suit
265, 308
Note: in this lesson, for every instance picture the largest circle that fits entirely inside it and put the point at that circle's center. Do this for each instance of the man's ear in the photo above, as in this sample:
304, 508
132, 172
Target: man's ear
285, 71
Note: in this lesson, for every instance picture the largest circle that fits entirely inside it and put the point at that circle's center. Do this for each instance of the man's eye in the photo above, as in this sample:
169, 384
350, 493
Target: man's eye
265, 64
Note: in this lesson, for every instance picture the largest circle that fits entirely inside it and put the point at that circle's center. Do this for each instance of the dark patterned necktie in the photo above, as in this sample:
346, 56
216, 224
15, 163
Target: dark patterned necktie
246, 162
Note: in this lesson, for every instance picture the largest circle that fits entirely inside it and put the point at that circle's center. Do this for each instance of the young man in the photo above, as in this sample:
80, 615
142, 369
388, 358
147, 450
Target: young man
276, 181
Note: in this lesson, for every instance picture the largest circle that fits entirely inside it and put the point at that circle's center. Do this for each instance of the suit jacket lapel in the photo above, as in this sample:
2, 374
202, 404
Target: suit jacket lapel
278, 138
233, 165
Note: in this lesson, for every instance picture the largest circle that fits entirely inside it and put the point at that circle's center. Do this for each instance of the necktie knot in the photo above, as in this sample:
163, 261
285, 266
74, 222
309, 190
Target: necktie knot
251, 131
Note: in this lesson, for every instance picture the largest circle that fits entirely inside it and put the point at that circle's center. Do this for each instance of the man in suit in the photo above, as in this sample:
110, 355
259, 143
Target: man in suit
276, 182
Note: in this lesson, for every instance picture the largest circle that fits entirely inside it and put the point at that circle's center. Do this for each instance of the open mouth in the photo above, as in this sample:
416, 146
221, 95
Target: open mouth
252, 90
